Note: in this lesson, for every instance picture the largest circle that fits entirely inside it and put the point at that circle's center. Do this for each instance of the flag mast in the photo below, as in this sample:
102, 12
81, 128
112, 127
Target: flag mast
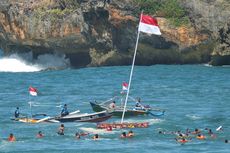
131, 73
30, 103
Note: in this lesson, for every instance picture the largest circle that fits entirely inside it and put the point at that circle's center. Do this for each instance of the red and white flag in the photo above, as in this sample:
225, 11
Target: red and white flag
149, 25
125, 86
33, 91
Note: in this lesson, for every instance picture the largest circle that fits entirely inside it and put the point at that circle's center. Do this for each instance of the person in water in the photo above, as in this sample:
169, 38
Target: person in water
130, 134
211, 134
95, 137
123, 135
196, 131
39, 134
11, 137
77, 135
61, 130
109, 128
200, 137
16, 113
64, 111
182, 141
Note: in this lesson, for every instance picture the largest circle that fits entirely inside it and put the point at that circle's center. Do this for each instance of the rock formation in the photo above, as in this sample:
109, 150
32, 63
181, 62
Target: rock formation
103, 32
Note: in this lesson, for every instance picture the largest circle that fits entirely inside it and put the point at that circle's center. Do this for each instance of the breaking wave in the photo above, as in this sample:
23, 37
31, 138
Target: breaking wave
25, 62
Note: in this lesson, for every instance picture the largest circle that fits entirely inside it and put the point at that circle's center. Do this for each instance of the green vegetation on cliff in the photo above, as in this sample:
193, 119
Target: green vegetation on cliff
170, 9
63, 8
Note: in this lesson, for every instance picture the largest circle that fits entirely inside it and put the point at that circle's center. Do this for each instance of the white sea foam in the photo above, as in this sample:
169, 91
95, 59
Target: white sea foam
193, 117
25, 62
97, 131
9, 64
150, 121
208, 65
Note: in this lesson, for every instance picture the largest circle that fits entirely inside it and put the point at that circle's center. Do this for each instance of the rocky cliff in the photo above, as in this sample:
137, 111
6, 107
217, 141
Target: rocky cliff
213, 18
103, 32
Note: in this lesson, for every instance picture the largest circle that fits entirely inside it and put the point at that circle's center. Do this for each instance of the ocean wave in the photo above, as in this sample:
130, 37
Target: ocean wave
8, 64
25, 63
97, 131
193, 117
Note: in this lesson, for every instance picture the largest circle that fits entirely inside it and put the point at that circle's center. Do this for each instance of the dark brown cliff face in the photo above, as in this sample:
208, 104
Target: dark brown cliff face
94, 33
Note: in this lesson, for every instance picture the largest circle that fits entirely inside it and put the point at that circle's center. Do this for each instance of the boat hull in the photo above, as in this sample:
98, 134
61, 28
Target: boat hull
118, 112
93, 117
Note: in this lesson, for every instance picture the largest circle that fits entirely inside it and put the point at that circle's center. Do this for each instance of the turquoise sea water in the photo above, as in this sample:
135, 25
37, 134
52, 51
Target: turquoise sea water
194, 96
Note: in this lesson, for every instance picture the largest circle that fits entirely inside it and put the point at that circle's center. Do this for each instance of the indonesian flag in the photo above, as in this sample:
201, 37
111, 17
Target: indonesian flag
149, 25
33, 91
125, 86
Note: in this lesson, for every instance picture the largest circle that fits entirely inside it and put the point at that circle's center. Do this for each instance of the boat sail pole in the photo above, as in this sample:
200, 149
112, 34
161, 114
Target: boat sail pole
131, 73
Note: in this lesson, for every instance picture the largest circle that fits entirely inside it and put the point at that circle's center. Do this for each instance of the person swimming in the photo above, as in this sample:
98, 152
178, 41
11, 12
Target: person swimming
11, 138
82, 133
200, 137
61, 130
211, 134
109, 128
196, 131
123, 135
95, 137
130, 133
40, 135
77, 135
183, 140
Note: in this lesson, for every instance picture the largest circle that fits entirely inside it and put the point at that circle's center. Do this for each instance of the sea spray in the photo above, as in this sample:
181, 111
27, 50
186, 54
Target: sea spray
25, 62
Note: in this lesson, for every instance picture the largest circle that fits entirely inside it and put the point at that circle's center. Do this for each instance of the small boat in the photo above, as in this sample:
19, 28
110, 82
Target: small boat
83, 117
75, 116
129, 111
36, 118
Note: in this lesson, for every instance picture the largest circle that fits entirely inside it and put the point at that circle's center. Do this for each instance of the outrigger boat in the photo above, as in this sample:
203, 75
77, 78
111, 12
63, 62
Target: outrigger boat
129, 111
148, 25
72, 117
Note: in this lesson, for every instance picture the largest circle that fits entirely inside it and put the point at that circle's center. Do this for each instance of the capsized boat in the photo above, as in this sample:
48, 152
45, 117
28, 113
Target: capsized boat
114, 125
129, 111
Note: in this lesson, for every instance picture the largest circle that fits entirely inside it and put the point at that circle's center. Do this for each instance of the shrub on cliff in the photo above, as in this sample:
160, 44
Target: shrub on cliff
170, 9
149, 6
58, 10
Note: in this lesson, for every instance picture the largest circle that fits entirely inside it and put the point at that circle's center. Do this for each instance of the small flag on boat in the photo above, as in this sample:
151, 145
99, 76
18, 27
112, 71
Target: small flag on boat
149, 25
33, 91
125, 86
